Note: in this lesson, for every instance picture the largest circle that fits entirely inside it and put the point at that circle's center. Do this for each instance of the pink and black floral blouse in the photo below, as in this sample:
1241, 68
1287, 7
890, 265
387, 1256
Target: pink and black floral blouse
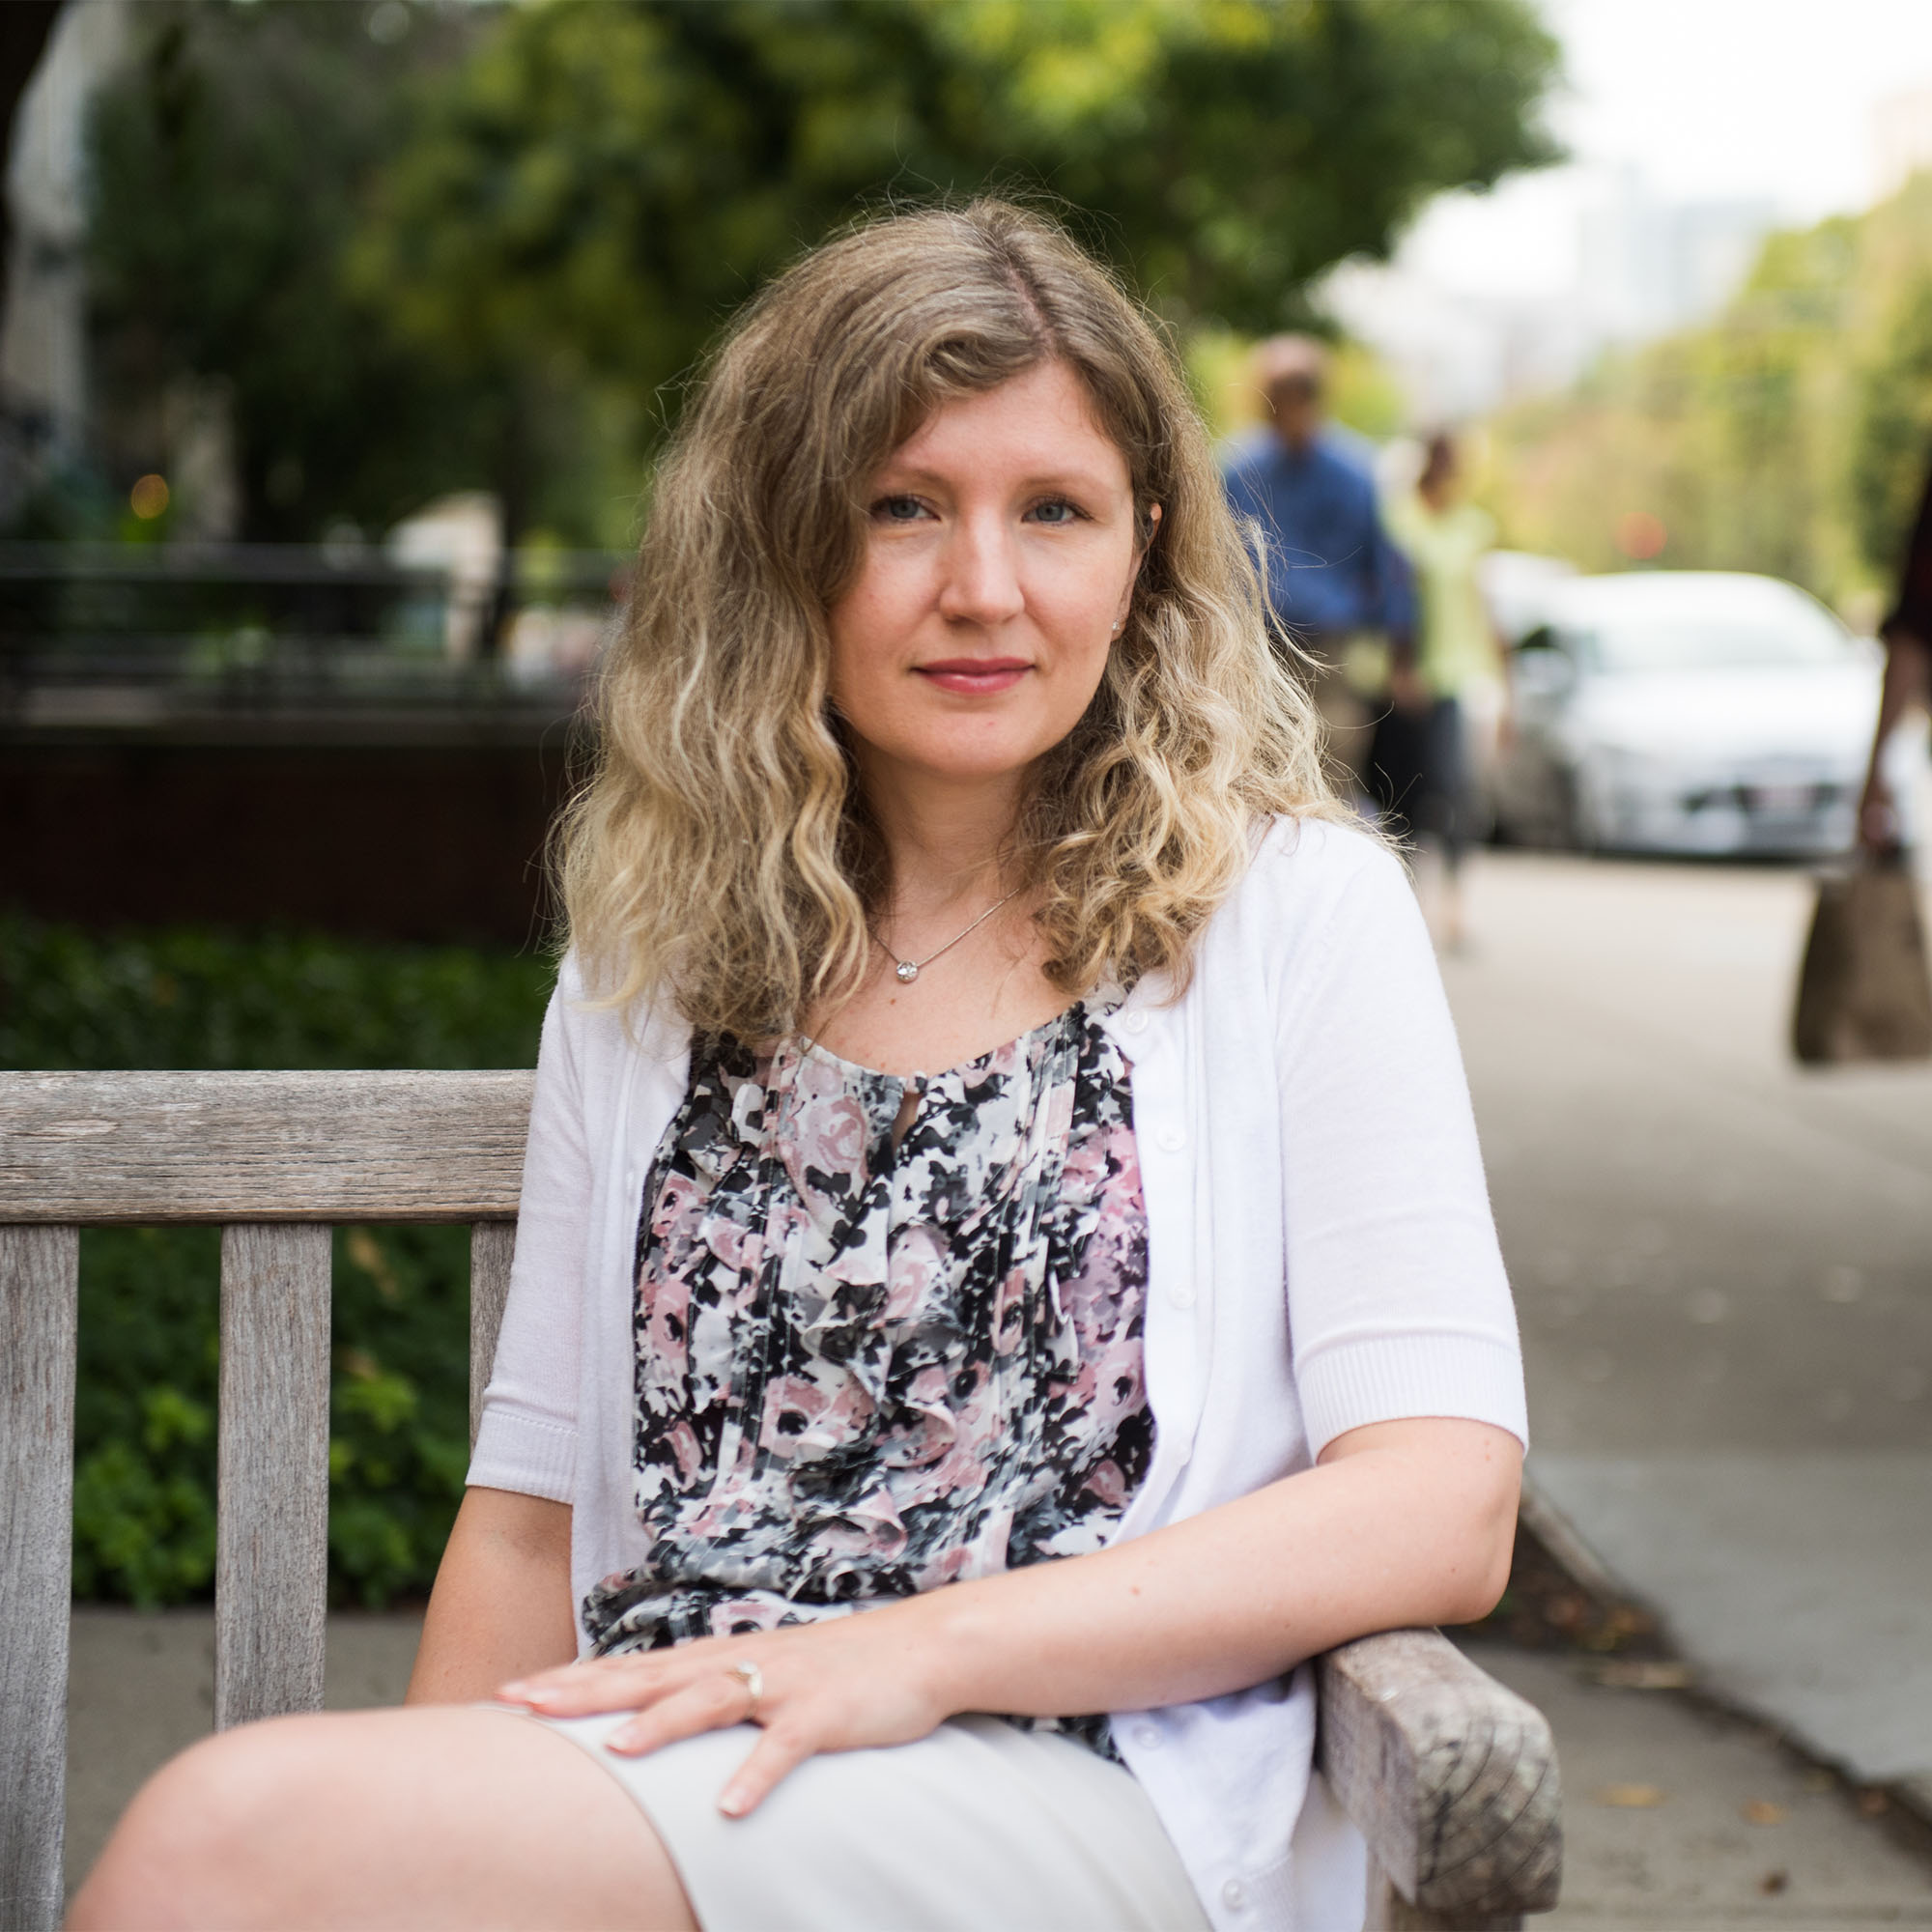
864, 1372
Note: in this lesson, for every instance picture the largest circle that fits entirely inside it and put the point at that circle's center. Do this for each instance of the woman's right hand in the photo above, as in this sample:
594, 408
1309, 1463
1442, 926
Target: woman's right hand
848, 1684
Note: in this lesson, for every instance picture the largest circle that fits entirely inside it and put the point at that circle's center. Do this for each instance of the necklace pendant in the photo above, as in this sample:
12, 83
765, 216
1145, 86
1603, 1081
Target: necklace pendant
906, 971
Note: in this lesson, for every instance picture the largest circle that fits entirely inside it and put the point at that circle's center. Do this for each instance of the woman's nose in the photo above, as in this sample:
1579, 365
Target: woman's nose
983, 584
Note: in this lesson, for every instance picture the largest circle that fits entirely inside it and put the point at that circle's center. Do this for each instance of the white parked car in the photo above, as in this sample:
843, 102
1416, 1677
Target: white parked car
1687, 712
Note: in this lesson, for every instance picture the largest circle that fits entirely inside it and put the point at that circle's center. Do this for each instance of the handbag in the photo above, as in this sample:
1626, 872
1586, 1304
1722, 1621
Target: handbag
1863, 991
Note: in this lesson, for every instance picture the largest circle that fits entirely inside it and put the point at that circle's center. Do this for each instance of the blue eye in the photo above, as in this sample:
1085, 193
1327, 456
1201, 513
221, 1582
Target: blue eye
1054, 510
898, 509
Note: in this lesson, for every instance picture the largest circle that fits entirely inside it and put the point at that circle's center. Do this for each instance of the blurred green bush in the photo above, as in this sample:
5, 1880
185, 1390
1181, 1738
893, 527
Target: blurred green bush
144, 1475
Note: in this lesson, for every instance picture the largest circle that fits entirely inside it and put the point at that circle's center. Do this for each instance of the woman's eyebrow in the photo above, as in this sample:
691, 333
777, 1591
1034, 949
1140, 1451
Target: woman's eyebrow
893, 476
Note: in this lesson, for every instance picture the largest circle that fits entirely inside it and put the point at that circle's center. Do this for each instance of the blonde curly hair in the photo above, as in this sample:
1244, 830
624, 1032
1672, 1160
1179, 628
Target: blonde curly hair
723, 856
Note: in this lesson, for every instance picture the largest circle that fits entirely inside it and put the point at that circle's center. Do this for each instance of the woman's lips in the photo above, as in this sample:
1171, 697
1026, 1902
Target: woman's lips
974, 678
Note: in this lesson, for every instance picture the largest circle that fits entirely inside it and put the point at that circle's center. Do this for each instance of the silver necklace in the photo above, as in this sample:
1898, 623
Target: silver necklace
909, 970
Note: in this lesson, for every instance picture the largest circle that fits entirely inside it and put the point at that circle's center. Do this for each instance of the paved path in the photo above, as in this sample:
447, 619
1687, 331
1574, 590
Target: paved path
1724, 1272
1677, 1819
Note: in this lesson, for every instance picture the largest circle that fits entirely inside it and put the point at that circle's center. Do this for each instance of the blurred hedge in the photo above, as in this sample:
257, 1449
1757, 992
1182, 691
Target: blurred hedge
144, 1477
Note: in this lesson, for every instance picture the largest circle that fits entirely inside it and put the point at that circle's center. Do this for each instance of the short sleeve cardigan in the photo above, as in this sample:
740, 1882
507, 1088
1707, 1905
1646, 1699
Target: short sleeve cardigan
1320, 1256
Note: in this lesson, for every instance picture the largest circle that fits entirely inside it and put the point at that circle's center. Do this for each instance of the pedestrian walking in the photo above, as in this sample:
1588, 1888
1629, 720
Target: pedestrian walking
1907, 635
1422, 767
1338, 589
1004, 1275
1863, 987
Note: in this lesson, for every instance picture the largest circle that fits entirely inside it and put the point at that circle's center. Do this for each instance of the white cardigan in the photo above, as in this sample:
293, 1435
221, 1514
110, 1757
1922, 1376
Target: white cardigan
1320, 1256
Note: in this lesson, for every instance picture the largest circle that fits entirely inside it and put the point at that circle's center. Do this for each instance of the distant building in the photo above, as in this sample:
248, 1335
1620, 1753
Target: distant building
1636, 267
1455, 352
1648, 265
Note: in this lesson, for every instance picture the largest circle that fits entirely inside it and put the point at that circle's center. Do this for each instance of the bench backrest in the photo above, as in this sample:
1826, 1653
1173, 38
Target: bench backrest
276, 1159
1451, 1778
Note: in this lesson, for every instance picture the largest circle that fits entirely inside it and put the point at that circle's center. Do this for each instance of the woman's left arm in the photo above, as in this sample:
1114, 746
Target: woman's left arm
1400, 1522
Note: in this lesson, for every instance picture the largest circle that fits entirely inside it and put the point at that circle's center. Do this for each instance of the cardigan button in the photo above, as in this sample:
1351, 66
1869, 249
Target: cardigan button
1172, 1139
1233, 1895
1180, 1295
1134, 1022
1147, 1736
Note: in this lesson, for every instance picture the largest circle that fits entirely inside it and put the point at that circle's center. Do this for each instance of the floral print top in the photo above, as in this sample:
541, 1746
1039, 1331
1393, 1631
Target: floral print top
864, 1370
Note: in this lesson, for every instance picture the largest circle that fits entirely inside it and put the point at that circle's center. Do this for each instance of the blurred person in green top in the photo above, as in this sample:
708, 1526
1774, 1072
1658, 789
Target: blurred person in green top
1422, 760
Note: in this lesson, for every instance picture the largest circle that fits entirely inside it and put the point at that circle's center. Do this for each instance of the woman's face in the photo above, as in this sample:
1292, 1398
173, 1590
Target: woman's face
1000, 556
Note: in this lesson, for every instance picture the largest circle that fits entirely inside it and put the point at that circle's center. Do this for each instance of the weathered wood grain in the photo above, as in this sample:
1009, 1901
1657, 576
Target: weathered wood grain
261, 1146
1389, 1910
40, 1269
271, 1526
1451, 1778
492, 1245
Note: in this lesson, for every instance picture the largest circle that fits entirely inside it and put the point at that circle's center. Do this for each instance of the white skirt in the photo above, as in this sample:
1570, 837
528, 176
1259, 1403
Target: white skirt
980, 1827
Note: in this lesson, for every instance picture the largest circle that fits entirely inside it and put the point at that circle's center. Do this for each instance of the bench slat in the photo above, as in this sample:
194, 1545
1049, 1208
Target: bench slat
1451, 1778
152, 1148
492, 1245
40, 1274
271, 1533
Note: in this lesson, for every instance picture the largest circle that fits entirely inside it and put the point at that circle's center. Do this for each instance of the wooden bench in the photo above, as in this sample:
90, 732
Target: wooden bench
1451, 1778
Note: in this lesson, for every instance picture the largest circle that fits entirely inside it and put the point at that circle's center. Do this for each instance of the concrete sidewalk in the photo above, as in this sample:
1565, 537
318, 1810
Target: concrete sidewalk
1689, 1855
1723, 1268
1678, 1817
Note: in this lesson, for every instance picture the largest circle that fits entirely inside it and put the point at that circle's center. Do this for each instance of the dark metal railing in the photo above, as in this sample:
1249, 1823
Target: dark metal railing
129, 634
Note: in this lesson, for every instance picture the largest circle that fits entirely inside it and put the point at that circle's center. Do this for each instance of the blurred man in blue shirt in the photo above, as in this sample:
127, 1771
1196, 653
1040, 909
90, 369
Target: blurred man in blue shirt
1336, 584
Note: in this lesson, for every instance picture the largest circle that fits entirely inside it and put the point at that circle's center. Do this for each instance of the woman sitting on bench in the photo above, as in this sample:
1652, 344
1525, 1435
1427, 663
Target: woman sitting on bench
1005, 1275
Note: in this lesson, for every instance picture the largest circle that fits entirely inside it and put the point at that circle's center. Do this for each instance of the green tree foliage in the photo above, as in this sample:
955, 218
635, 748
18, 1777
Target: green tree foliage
1790, 436
230, 160
1893, 440
144, 1472
605, 181
477, 255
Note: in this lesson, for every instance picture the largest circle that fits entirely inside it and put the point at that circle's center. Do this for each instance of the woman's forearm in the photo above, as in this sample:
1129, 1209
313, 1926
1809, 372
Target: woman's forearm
1405, 1522
502, 1604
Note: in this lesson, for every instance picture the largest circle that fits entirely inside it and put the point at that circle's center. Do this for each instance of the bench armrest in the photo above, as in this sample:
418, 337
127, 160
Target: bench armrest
1450, 1777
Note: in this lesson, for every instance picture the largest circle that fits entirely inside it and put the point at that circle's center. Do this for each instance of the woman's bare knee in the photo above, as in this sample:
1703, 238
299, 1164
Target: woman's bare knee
419, 1818
184, 1851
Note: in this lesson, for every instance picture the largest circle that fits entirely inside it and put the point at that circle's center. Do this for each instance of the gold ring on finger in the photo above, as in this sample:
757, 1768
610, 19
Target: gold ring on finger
752, 1679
